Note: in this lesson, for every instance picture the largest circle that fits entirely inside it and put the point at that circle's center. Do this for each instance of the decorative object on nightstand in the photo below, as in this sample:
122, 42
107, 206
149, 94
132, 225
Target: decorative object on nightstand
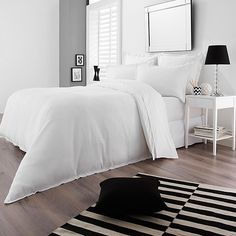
206, 132
189, 88
206, 89
197, 90
96, 73
217, 55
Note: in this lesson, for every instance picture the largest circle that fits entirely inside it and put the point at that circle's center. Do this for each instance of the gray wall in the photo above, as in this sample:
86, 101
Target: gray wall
72, 38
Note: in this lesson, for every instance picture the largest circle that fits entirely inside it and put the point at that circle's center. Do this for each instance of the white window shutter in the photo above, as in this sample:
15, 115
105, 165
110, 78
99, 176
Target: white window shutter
104, 37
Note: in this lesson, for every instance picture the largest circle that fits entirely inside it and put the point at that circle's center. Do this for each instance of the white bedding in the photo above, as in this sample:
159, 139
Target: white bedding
72, 132
176, 109
176, 115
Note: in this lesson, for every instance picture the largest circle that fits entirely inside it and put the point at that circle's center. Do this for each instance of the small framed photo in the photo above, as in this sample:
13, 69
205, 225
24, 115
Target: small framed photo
79, 60
76, 74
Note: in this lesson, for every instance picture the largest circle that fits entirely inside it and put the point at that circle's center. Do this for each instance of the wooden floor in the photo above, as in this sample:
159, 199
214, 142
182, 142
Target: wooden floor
42, 213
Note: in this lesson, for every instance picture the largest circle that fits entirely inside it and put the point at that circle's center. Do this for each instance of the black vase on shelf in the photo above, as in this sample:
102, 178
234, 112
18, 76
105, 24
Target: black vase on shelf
96, 73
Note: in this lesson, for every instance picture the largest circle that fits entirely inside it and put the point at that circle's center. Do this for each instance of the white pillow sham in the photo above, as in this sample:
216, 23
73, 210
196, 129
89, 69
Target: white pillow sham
196, 59
168, 81
128, 72
131, 59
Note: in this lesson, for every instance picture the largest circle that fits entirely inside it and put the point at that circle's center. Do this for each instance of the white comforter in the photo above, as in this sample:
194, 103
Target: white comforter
68, 133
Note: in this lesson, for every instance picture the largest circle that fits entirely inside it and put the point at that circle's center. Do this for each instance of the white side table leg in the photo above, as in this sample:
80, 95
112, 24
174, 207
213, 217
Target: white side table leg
233, 126
206, 121
186, 124
215, 117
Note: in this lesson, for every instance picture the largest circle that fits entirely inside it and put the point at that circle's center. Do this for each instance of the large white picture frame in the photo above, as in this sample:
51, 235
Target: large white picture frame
168, 26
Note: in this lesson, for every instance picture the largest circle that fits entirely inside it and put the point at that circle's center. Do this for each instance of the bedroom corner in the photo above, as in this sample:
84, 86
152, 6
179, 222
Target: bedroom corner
117, 117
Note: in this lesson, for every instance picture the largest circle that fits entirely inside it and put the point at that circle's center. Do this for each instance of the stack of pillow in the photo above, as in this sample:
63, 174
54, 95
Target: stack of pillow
169, 74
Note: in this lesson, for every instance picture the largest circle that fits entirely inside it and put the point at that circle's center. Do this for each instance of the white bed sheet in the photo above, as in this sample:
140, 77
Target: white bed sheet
176, 109
176, 113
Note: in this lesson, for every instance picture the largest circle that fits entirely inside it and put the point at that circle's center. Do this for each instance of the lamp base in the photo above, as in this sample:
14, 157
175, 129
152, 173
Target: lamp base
217, 94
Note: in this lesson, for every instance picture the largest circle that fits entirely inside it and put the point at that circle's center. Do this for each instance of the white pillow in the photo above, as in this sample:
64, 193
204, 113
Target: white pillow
168, 81
121, 72
131, 59
196, 59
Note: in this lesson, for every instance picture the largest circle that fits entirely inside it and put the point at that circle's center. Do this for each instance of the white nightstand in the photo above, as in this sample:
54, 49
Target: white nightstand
213, 103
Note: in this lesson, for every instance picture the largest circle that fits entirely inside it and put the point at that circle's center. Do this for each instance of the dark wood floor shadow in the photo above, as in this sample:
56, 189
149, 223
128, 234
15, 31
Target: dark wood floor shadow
42, 213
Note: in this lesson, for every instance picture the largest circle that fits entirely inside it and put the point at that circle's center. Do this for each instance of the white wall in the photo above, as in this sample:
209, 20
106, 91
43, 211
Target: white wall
133, 26
29, 45
213, 23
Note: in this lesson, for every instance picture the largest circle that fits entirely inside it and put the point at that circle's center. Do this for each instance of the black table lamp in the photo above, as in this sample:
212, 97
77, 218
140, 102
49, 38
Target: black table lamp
217, 55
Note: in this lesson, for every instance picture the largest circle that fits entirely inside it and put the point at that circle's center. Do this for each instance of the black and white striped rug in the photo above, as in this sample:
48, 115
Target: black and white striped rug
193, 209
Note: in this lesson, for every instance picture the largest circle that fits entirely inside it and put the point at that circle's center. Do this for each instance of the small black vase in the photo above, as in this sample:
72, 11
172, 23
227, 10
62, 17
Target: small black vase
197, 90
96, 73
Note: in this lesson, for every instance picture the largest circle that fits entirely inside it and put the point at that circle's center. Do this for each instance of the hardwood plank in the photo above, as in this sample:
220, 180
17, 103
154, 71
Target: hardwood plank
42, 213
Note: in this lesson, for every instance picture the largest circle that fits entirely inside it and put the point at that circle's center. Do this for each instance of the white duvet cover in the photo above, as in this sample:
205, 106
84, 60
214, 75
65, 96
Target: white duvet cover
68, 133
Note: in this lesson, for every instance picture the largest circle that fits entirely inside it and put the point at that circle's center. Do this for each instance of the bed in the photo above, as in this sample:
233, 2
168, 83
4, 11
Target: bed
69, 133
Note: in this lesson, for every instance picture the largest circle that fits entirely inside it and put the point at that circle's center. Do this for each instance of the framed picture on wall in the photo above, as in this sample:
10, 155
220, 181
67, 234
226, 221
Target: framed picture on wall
76, 74
79, 60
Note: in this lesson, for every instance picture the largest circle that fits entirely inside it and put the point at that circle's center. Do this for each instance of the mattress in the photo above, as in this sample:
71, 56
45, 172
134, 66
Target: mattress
176, 109
176, 115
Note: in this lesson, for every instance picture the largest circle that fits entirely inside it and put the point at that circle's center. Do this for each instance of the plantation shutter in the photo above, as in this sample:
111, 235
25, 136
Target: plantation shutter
104, 35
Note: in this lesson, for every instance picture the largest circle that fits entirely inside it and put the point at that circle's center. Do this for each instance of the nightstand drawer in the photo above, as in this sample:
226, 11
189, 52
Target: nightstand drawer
200, 102
225, 102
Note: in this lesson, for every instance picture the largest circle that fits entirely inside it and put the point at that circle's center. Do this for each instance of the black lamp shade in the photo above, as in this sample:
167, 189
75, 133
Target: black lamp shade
216, 55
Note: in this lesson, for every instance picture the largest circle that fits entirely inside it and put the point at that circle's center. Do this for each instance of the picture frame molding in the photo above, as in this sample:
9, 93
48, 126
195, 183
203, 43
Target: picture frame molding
72, 74
76, 59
